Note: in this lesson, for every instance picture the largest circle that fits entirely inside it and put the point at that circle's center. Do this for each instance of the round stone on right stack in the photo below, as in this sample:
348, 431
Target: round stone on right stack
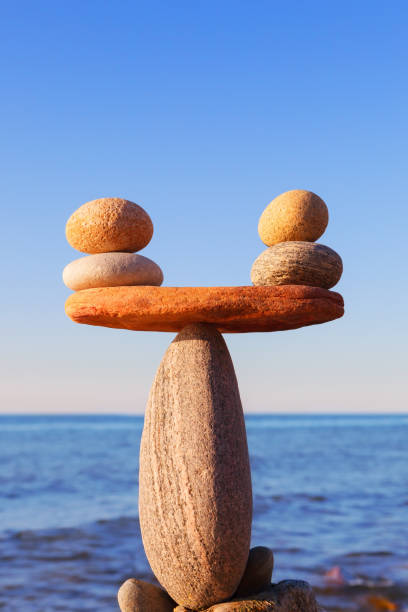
294, 215
297, 263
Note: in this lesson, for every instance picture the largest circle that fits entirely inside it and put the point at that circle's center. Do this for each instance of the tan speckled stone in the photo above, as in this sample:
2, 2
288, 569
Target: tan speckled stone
109, 224
248, 605
258, 572
294, 215
286, 596
297, 263
294, 596
111, 270
140, 596
195, 496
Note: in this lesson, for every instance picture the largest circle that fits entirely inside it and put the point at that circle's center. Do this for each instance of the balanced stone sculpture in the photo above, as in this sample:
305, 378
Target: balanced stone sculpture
195, 498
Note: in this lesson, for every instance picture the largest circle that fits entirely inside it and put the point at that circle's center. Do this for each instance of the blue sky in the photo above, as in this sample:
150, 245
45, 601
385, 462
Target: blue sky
203, 112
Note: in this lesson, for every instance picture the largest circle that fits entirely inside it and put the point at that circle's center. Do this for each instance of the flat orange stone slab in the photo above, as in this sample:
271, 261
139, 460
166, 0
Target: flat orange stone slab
230, 309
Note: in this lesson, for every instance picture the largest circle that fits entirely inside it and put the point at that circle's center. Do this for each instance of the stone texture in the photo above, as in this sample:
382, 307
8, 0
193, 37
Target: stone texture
195, 496
258, 572
286, 596
230, 309
247, 605
294, 215
298, 263
294, 596
109, 224
140, 596
111, 270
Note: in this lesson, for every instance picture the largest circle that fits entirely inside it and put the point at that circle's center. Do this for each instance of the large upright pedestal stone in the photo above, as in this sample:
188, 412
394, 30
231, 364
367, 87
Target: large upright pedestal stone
195, 500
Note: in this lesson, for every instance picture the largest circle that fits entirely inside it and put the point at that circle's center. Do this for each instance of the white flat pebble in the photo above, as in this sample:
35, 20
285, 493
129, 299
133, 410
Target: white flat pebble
111, 270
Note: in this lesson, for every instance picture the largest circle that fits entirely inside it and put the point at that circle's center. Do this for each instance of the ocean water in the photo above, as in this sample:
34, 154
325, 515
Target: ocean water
329, 492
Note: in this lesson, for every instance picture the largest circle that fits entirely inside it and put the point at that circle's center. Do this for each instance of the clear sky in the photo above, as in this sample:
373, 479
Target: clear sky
203, 112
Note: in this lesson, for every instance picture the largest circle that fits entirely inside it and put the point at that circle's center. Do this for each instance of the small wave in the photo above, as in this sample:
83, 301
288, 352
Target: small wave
80, 556
49, 536
370, 553
290, 550
370, 583
295, 496
120, 520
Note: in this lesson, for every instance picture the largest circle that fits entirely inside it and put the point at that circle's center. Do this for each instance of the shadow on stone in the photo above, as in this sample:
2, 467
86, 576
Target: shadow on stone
258, 573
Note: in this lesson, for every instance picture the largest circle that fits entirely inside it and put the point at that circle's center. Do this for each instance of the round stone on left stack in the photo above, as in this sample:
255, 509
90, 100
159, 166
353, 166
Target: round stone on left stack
109, 224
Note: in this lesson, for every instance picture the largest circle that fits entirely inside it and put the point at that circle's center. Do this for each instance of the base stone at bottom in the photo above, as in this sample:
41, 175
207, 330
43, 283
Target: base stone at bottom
286, 596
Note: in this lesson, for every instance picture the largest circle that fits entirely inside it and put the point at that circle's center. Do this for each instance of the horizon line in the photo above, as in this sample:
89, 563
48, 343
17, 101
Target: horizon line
139, 414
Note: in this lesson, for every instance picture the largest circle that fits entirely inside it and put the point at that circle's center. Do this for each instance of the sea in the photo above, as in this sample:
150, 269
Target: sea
330, 498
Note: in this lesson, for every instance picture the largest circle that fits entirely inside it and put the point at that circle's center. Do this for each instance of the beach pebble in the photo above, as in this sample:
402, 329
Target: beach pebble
294, 215
140, 596
247, 605
295, 596
111, 270
241, 605
195, 494
258, 572
297, 263
109, 224
286, 596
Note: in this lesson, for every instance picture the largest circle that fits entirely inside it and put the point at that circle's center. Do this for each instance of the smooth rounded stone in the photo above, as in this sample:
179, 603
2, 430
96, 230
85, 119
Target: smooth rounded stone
241, 605
140, 596
258, 572
109, 224
294, 596
246, 605
229, 309
294, 215
286, 596
195, 494
298, 263
111, 270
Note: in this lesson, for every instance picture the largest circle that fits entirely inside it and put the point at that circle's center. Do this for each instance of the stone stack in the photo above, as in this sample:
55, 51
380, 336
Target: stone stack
195, 492
289, 226
110, 231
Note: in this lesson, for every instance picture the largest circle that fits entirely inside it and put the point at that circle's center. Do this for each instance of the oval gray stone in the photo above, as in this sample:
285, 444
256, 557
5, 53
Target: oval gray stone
195, 497
298, 263
111, 270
